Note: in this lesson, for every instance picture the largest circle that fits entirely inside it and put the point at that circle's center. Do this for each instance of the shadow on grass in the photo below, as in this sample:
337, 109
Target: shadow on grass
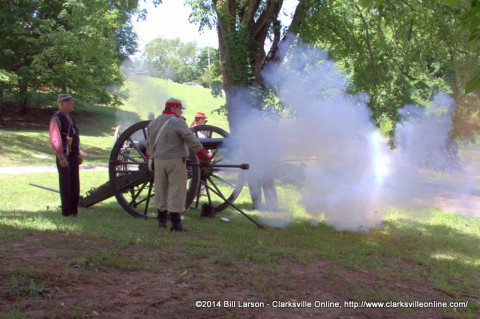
90, 124
445, 254
23, 146
441, 255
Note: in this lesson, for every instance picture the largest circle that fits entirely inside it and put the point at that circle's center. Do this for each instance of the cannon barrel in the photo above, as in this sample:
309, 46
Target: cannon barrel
243, 166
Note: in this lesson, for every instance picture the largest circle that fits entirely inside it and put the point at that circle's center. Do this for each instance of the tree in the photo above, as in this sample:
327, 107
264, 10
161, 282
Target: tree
399, 52
243, 27
469, 20
17, 41
209, 67
74, 45
171, 59
6, 79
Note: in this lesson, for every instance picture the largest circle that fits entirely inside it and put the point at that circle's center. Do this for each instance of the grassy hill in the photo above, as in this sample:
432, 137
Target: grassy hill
25, 141
147, 94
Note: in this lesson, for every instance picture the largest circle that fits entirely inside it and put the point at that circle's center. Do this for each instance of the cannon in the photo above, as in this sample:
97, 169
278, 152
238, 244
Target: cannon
216, 185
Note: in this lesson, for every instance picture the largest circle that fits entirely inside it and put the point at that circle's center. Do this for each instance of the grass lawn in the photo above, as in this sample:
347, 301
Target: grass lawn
106, 264
432, 257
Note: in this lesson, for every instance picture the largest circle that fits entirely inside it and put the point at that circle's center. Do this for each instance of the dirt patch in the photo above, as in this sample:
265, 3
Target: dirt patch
80, 283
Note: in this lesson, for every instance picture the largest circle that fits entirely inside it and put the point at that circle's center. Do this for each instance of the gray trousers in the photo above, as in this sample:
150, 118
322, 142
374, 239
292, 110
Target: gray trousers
170, 184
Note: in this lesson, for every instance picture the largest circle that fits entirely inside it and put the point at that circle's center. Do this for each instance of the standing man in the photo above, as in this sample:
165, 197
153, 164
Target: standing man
265, 182
200, 119
65, 141
170, 151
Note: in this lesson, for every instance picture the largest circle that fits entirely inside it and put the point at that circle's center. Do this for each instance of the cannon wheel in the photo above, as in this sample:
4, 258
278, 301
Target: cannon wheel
225, 181
131, 182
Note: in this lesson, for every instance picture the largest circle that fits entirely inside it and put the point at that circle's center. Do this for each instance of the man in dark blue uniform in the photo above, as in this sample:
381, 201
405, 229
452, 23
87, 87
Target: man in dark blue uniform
65, 141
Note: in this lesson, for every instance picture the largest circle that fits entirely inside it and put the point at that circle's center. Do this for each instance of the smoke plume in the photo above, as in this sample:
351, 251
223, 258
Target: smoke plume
327, 143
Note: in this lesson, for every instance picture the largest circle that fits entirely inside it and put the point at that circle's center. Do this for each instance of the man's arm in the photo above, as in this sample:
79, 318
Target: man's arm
55, 137
193, 143
188, 136
56, 140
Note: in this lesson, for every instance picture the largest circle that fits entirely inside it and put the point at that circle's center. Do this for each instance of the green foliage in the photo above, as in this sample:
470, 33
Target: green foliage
171, 59
239, 54
209, 66
473, 84
470, 21
203, 14
74, 46
398, 52
181, 62
7, 78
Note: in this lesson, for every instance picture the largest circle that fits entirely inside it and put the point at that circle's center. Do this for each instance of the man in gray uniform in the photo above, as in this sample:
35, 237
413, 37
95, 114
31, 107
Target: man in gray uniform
169, 139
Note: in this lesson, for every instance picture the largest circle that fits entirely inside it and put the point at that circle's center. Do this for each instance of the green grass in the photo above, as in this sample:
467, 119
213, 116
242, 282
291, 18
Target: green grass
439, 248
21, 285
431, 247
442, 246
148, 94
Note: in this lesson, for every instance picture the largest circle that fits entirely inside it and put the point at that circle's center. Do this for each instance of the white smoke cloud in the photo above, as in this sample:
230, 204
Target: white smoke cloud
348, 174
427, 168
422, 133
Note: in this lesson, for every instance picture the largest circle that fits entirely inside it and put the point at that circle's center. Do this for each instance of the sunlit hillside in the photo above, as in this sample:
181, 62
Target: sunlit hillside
147, 94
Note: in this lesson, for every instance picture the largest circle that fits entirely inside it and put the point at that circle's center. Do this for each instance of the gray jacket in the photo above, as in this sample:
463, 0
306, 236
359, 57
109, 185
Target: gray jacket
175, 140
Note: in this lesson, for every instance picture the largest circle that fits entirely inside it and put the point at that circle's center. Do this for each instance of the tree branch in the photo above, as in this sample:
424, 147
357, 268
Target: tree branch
248, 17
369, 46
300, 15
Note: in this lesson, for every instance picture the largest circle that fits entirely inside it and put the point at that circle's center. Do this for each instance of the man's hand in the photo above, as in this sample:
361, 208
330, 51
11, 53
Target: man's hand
62, 162
205, 159
80, 159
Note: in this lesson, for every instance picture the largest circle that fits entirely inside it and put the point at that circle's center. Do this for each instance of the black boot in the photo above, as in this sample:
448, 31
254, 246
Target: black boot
177, 222
162, 218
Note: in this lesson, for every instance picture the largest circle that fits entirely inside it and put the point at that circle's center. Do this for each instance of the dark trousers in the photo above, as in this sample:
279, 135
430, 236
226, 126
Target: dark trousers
69, 181
266, 184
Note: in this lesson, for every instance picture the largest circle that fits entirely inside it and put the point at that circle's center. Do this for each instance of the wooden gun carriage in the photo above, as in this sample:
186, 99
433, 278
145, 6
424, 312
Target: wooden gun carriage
216, 185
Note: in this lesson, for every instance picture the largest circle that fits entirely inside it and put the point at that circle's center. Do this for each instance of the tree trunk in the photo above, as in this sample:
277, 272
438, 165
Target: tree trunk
23, 94
242, 29
24, 107
2, 121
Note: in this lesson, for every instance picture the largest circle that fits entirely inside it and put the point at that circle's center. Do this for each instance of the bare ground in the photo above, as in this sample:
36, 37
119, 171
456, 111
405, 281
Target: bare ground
72, 287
